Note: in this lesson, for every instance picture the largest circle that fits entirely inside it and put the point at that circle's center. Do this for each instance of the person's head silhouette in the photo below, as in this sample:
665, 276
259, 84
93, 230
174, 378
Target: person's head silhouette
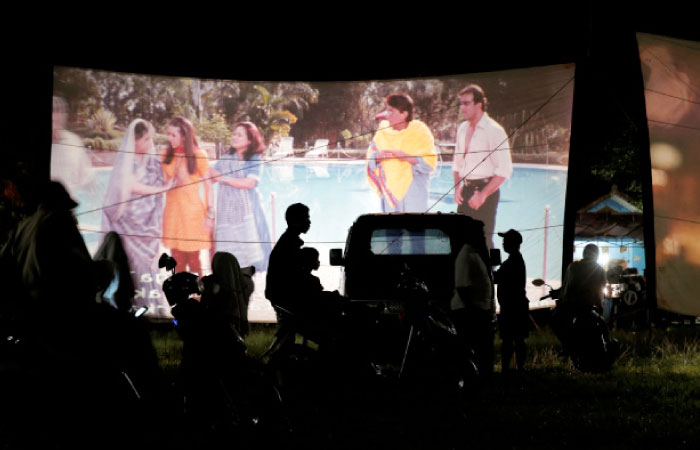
511, 240
297, 217
590, 252
309, 259
54, 196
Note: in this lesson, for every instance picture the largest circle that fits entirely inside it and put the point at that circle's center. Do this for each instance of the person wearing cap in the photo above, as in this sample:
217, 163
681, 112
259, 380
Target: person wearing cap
513, 320
482, 160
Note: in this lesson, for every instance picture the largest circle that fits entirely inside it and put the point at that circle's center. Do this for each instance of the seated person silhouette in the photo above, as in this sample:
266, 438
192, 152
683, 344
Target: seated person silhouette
310, 287
312, 298
227, 291
213, 352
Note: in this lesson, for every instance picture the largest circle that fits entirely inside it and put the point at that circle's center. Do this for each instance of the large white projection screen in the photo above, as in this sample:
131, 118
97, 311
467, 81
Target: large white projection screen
316, 140
671, 70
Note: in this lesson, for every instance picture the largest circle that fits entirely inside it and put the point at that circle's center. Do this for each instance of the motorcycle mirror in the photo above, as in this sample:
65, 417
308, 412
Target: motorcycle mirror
538, 282
336, 257
167, 261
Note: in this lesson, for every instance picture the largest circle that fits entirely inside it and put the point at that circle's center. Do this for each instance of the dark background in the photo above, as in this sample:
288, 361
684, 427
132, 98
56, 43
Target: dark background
353, 42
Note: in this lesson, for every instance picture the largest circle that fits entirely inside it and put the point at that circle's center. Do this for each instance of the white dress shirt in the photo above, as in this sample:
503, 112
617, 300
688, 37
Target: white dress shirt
488, 153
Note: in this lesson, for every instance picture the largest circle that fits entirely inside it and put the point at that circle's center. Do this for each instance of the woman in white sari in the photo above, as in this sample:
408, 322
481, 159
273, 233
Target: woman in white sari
133, 208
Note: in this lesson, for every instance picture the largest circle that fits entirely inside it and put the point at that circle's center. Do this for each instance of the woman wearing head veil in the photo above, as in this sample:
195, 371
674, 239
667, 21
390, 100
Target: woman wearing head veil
241, 228
133, 208
227, 291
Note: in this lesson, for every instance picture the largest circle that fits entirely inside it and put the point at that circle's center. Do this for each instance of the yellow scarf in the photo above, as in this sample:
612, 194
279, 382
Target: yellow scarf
397, 176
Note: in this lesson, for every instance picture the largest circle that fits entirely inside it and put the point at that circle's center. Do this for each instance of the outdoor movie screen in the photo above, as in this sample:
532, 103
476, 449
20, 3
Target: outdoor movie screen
671, 70
197, 166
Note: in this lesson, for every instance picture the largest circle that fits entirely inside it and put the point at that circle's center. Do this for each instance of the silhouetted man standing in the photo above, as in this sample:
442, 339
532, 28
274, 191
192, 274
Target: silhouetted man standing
284, 269
513, 321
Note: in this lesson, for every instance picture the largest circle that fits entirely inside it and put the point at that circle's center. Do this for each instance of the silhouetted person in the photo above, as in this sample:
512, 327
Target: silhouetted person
219, 379
577, 319
227, 291
514, 318
284, 271
188, 313
584, 281
310, 287
55, 274
472, 306
314, 299
205, 350
80, 349
581, 294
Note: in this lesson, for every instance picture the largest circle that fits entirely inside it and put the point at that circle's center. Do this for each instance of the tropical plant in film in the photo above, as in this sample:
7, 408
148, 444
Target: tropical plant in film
102, 121
270, 109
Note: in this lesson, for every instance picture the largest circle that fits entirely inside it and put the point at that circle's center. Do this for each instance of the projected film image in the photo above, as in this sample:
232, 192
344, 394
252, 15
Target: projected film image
671, 70
192, 167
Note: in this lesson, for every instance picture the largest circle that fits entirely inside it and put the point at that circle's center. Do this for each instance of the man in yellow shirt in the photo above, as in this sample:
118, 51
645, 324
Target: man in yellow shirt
401, 158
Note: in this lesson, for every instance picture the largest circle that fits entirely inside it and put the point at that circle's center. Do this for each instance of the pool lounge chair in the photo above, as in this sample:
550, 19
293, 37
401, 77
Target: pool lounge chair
319, 150
281, 155
286, 148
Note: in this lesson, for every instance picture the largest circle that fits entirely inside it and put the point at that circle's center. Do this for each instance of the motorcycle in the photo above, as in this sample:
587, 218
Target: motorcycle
410, 340
582, 332
224, 390
432, 343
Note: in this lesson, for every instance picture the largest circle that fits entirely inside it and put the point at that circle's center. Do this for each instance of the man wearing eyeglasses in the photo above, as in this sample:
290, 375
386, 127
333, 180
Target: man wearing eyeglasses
482, 160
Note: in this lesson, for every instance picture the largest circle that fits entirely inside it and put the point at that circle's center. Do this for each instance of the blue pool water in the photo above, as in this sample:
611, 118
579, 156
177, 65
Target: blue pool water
338, 192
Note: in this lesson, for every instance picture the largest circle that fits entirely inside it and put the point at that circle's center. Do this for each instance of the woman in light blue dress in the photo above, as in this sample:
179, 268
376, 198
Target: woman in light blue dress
241, 228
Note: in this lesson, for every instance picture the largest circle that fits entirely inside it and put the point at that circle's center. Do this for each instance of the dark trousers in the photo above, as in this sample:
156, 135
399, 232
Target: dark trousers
487, 212
507, 347
476, 328
513, 323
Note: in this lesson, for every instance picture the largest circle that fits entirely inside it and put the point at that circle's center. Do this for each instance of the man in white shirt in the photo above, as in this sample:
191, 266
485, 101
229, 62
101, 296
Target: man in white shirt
70, 162
482, 160
472, 307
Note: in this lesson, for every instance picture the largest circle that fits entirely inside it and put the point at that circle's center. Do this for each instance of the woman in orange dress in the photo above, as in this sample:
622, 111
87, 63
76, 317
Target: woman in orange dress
188, 218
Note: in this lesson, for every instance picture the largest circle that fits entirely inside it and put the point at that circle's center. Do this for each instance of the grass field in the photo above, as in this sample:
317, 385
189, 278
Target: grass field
651, 399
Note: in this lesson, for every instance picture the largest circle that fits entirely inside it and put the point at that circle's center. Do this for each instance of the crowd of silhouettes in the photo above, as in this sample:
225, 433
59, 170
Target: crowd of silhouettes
75, 310
74, 350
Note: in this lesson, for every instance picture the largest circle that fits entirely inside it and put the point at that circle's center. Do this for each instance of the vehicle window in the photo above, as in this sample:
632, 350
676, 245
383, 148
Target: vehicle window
401, 241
